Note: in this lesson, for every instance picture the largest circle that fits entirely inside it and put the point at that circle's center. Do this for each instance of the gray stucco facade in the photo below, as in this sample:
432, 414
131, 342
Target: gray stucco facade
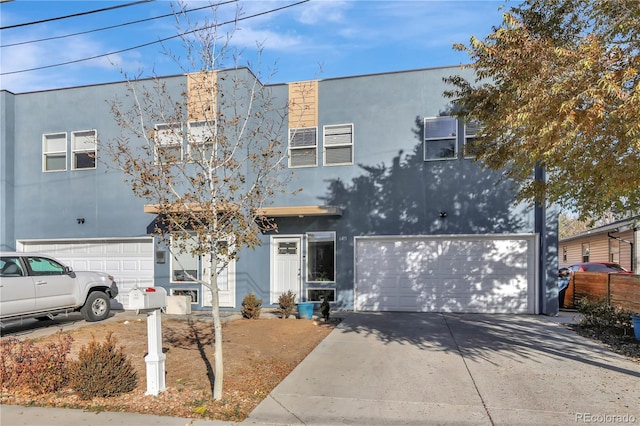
387, 189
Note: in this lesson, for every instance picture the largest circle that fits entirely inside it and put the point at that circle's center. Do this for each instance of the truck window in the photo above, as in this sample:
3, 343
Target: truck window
44, 266
10, 267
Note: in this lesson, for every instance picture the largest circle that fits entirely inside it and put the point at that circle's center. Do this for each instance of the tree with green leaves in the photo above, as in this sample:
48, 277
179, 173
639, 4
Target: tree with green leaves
207, 152
557, 86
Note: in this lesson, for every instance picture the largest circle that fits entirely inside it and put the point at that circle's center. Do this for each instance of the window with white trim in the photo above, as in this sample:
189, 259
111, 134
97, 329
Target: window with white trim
303, 147
321, 256
321, 294
338, 144
168, 143
187, 267
440, 137
83, 149
193, 294
586, 252
471, 129
54, 152
200, 140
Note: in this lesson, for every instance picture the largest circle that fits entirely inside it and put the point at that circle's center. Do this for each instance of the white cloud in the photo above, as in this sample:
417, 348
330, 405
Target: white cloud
327, 11
273, 40
346, 36
45, 59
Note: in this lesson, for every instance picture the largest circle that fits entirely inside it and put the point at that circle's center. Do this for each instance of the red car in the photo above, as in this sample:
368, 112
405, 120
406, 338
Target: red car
608, 267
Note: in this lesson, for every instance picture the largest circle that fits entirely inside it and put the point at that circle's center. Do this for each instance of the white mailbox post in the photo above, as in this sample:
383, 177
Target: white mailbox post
151, 300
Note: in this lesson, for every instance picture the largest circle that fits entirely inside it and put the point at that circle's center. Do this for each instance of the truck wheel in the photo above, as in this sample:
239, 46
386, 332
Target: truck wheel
97, 307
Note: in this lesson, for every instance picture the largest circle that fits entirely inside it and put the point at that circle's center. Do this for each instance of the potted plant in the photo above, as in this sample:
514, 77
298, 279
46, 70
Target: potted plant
635, 319
305, 310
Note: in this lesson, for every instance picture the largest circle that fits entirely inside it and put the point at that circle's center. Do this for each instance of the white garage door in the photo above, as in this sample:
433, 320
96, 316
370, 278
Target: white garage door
488, 274
130, 261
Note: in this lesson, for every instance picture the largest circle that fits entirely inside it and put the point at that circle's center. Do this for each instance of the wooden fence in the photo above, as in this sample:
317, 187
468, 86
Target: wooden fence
622, 290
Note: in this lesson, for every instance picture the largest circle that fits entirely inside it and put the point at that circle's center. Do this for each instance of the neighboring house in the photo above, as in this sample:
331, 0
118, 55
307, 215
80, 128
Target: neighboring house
394, 215
617, 242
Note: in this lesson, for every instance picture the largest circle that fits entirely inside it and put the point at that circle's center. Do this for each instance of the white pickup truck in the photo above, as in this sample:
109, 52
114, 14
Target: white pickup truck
33, 285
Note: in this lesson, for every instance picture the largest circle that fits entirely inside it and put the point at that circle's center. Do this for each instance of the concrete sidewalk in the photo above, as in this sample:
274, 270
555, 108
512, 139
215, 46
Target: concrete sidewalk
422, 369
13, 415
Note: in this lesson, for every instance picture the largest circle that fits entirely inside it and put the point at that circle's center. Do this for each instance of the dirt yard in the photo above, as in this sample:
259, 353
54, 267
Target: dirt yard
258, 354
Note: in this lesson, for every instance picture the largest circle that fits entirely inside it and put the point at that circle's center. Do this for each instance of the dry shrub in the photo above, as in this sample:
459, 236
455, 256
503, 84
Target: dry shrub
287, 304
41, 369
102, 370
251, 306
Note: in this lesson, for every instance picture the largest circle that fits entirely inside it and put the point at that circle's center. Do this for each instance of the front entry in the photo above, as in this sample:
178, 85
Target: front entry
286, 264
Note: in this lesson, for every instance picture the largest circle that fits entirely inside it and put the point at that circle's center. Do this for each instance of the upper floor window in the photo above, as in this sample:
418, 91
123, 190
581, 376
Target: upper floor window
200, 140
83, 149
54, 152
303, 147
440, 137
471, 129
338, 144
168, 143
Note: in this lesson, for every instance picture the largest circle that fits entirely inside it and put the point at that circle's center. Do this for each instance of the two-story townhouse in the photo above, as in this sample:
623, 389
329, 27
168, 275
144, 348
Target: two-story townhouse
394, 214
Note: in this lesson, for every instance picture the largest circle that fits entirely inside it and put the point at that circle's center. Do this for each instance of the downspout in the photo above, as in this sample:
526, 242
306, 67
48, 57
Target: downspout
625, 241
540, 229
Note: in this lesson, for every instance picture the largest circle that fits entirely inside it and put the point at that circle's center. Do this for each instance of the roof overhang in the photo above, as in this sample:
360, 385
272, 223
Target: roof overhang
274, 211
185, 208
293, 211
624, 225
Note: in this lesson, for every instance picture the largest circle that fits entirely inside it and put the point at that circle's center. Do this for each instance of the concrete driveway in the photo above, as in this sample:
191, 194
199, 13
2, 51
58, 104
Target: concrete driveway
33, 329
405, 368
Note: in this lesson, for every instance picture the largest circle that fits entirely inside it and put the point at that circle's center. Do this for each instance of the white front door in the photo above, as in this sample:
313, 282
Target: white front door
226, 286
286, 266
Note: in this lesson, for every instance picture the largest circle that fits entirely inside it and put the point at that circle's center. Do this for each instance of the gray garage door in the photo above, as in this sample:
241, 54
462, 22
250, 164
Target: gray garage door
466, 273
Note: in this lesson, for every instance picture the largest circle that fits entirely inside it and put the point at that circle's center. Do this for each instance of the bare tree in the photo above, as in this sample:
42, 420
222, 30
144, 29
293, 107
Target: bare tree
570, 224
208, 154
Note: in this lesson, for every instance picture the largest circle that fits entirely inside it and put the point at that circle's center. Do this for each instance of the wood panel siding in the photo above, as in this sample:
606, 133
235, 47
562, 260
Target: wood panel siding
620, 290
590, 285
625, 291
201, 95
303, 104
569, 298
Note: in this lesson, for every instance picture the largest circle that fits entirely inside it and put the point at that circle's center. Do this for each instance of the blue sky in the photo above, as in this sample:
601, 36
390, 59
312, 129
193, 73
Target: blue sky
316, 39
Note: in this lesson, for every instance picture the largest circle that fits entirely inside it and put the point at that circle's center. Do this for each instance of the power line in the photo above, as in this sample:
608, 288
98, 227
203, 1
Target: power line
114, 26
154, 42
76, 14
